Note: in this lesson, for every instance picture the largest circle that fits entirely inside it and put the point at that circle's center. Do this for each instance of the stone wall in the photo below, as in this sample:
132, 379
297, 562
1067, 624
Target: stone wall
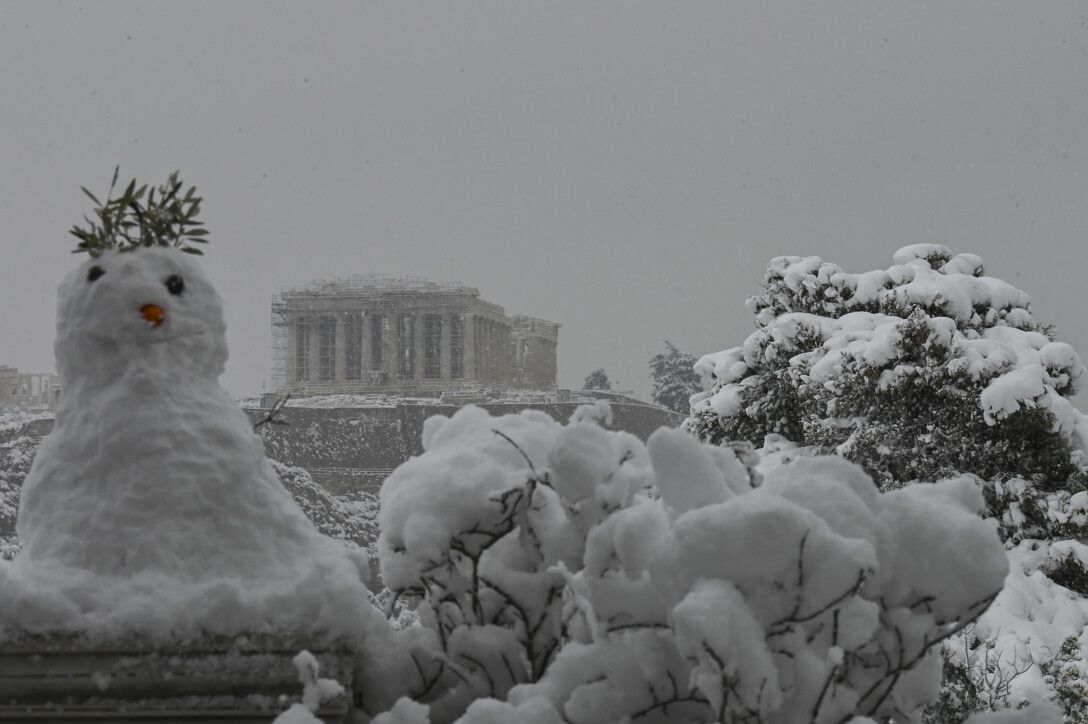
349, 449
353, 449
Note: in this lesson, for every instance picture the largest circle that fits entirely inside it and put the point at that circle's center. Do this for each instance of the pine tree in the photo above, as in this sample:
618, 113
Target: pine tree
597, 380
674, 378
924, 370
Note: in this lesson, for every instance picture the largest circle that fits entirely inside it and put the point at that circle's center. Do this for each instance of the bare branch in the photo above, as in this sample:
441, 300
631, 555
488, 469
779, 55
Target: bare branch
271, 418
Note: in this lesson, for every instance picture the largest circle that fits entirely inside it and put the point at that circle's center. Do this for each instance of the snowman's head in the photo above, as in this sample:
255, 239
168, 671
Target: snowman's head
151, 305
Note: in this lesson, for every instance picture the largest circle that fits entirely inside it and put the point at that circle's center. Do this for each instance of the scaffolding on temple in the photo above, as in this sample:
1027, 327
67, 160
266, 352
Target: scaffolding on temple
328, 299
376, 333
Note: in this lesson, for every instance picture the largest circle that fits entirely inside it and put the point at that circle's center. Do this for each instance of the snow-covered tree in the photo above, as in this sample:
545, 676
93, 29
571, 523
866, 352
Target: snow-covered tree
574, 574
674, 379
597, 380
924, 370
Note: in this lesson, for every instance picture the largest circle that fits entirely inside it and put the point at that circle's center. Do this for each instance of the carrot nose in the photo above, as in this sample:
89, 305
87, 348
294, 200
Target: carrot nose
154, 314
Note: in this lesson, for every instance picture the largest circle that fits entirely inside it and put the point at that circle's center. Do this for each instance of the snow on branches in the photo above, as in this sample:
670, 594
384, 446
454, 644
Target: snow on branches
585, 577
923, 370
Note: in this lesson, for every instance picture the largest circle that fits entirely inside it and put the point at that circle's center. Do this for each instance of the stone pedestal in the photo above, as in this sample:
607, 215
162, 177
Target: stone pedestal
240, 680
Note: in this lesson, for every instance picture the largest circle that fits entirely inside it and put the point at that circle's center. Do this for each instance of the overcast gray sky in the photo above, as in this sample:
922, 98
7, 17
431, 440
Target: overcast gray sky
625, 169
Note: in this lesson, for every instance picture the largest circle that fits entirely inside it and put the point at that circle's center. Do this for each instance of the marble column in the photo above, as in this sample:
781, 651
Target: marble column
505, 355
365, 348
483, 359
341, 349
315, 347
468, 344
444, 346
389, 346
290, 364
418, 324
489, 349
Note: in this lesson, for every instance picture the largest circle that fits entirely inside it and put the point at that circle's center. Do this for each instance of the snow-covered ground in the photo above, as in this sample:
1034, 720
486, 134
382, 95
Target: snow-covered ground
1025, 626
469, 394
1033, 616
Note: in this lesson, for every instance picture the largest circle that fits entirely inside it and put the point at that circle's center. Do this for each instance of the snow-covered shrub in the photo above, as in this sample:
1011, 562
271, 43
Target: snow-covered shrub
1067, 675
585, 577
1027, 513
1032, 617
976, 677
350, 521
1069, 572
921, 371
16, 455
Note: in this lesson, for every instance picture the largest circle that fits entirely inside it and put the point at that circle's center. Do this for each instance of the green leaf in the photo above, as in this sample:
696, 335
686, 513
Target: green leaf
129, 221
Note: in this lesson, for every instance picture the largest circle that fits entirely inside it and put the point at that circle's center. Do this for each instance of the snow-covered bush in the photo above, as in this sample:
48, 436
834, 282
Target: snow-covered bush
921, 371
582, 576
1069, 572
1067, 674
1027, 623
351, 521
16, 455
1025, 512
976, 677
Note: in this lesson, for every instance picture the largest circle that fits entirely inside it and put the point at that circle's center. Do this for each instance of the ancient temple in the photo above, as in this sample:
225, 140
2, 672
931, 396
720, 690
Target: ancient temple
376, 334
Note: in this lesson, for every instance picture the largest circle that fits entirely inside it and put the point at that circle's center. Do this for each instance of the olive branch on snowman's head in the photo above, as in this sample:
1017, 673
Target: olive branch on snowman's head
164, 218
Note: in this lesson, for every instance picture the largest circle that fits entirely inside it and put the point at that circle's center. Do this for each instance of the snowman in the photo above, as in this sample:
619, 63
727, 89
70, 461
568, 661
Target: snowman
151, 507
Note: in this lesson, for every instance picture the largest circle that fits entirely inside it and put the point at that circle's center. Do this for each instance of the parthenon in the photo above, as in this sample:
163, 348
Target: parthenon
376, 334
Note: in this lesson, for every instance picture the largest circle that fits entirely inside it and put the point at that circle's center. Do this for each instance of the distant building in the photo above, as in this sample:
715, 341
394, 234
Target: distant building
374, 334
534, 343
30, 390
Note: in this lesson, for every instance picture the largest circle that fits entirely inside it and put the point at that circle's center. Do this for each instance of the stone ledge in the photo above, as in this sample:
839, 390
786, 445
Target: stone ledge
244, 679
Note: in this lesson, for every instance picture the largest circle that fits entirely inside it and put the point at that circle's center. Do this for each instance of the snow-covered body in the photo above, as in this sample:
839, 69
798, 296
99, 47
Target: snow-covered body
151, 508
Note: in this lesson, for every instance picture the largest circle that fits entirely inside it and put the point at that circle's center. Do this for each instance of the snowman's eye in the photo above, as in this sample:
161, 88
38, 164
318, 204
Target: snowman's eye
94, 272
175, 284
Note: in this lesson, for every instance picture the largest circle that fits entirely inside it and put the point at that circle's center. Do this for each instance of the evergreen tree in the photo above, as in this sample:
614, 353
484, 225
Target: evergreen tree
920, 371
674, 379
597, 380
